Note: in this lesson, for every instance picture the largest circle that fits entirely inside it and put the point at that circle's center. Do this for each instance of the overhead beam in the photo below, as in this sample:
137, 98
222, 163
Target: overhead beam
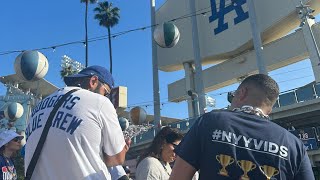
282, 52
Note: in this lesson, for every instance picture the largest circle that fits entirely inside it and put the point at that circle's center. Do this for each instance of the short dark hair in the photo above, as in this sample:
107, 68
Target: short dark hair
165, 135
264, 83
82, 82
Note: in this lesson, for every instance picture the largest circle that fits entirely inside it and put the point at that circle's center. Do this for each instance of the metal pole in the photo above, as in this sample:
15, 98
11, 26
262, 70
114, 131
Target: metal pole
156, 92
313, 38
197, 60
195, 103
189, 75
256, 38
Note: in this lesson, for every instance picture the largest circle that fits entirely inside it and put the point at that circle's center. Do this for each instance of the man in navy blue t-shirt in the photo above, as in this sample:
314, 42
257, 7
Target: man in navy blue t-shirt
243, 143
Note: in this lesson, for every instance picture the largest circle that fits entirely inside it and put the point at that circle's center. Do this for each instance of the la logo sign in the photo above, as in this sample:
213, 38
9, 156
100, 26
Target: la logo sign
219, 13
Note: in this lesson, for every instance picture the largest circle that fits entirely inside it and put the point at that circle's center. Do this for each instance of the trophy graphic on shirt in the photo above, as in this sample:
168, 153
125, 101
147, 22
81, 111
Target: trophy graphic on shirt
269, 171
246, 166
225, 161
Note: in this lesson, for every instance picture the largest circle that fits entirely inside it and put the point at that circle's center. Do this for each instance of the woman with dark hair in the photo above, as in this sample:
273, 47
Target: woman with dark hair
154, 163
10, 143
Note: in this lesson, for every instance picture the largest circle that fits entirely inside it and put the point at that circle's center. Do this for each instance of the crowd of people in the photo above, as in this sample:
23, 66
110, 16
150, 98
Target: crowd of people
75, 134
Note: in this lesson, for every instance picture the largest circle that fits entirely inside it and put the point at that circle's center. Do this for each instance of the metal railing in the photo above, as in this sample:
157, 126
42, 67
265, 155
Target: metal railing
305, 93
308, 92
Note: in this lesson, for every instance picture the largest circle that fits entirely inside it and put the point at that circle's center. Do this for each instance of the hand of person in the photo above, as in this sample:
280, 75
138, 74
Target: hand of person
128, 142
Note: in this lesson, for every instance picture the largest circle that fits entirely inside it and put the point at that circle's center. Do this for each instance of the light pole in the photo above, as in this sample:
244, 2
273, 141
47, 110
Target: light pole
256, 38
305, 13
156, 92
197, 61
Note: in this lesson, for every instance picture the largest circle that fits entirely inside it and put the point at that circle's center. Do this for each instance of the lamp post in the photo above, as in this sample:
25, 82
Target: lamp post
305, 13
197, 61
256, 38
156, 92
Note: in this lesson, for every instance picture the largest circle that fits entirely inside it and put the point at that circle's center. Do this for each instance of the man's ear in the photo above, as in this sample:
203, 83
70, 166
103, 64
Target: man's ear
242, 93
93, 82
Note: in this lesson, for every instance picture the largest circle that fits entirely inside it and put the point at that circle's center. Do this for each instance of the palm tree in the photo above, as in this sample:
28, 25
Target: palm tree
108, 17
86, 25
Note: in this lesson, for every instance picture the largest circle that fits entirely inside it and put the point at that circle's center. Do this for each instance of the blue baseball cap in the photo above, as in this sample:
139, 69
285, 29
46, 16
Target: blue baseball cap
103, 74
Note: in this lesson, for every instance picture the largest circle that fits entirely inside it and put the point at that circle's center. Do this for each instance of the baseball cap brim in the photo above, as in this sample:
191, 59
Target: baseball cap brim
69, 80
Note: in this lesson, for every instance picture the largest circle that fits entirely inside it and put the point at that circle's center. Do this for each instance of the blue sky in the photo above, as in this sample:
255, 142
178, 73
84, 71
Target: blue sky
37, 23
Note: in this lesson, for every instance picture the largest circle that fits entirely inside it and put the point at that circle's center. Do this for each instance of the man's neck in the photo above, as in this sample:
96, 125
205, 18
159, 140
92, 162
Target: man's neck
253, 109
263, 109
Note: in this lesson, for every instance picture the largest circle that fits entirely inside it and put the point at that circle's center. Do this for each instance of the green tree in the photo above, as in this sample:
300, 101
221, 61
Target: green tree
86, 25
108, 17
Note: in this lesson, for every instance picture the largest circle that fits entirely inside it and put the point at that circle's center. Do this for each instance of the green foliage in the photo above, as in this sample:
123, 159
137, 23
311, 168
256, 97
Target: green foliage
67, 71
107, 15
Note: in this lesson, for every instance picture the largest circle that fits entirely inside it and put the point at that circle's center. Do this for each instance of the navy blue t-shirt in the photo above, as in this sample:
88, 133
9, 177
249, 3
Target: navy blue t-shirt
236, 145
8, 171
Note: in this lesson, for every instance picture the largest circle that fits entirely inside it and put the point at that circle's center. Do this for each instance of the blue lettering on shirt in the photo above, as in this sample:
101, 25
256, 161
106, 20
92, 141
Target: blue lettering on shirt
56, 121
62, 120
65, 121
73, 102
39, 121
74, 124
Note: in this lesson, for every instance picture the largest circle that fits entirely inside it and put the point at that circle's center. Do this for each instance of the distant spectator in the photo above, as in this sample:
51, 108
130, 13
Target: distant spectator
10, 143
154, 163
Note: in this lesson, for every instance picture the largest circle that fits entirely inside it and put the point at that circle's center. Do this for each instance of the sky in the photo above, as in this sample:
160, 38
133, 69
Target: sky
34, 24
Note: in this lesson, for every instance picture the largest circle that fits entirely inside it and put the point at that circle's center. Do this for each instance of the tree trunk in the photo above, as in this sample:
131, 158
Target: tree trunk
86, 27
110, 49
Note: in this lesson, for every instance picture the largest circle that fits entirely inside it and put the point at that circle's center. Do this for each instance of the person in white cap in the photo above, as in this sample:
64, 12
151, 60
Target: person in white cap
10, 143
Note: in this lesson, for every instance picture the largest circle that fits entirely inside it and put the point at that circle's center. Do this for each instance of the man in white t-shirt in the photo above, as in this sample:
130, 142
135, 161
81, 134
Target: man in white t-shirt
85, 136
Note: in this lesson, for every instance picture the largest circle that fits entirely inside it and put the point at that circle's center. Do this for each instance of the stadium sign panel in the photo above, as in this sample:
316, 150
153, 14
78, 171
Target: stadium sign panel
224, 28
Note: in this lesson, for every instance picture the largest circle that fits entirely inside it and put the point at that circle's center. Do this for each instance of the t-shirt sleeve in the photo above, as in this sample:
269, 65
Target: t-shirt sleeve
305, 169
189, 148
148, 170
112, 136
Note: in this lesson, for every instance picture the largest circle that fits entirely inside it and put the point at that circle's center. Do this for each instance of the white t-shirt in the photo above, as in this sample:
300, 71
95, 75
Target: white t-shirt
83, 127
151, 168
